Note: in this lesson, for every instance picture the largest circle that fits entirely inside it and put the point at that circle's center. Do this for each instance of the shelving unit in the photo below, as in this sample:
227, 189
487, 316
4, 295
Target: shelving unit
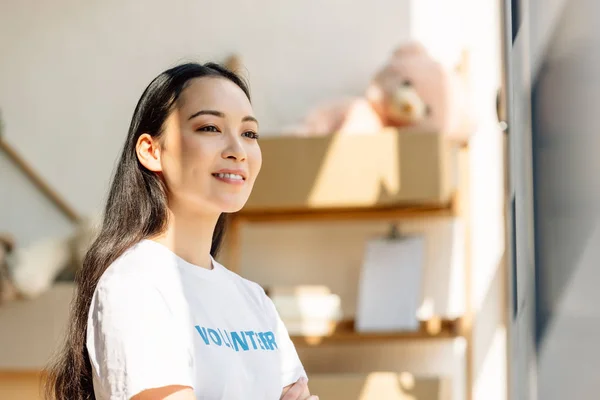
344, 332
406, 211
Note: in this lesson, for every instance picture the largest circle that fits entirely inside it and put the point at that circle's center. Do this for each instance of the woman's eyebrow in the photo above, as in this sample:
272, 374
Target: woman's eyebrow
250, 118
207, 112
220, 115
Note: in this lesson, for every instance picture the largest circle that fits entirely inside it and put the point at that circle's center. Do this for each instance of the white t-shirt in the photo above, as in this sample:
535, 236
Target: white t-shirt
157, 320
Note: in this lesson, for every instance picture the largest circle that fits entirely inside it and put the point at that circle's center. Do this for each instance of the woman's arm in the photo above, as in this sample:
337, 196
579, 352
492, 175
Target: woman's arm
297, 391
174, 392
139, 348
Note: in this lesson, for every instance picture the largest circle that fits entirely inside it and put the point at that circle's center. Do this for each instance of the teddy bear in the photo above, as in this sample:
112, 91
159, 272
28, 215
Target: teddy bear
412, 89
33, 269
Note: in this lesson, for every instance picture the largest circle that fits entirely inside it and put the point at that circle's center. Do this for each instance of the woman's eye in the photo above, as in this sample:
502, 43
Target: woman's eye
209, 128
251, 134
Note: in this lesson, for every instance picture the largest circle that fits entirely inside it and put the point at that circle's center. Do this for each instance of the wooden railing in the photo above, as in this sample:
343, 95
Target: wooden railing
37, 180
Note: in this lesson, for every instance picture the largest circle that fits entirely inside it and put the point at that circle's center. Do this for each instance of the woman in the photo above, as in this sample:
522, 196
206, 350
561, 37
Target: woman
155, 316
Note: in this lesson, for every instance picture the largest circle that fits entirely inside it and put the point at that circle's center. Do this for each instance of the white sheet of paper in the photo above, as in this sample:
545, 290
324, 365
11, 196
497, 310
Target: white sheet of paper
390, 284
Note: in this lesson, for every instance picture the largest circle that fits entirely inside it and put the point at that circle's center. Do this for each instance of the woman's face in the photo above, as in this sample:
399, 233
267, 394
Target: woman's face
208, 154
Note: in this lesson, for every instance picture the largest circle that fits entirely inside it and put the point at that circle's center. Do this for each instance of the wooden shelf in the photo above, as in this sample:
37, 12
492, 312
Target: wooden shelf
340, 214
344, 333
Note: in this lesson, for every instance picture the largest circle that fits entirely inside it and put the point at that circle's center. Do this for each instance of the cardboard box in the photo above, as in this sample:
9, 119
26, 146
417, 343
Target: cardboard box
379, 386
22, 346
389, 168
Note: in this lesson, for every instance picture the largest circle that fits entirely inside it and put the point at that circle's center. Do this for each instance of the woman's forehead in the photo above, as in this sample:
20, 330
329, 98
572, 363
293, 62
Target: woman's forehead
214, 93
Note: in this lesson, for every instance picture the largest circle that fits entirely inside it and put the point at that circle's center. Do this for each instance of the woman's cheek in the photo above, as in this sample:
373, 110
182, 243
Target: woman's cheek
256, 159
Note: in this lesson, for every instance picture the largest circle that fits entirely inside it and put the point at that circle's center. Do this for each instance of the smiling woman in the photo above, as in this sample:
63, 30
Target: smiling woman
155, 316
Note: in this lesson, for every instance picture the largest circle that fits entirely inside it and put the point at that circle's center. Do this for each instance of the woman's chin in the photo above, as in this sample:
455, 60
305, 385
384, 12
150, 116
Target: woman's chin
230, 207
231, 210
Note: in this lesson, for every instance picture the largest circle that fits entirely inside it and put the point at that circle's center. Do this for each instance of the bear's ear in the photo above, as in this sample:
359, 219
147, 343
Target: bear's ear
463, 67
410, 48
233, 63
374, 93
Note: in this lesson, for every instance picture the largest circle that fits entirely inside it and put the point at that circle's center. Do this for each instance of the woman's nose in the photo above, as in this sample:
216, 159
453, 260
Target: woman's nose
234, 150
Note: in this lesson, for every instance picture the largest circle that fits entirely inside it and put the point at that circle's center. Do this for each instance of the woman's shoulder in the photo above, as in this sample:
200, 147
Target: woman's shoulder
138, 268
137, 286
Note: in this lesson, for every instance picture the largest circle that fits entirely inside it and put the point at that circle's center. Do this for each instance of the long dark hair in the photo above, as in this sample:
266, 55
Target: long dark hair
136, 209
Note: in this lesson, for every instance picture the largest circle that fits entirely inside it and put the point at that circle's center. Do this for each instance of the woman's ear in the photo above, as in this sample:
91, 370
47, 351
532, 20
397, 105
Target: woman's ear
148, 152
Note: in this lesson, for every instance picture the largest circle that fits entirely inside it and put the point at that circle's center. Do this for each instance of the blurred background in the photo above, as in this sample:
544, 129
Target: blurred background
450, 255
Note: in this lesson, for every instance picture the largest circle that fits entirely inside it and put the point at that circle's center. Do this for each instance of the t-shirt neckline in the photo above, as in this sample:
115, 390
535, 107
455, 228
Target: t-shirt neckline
197, 270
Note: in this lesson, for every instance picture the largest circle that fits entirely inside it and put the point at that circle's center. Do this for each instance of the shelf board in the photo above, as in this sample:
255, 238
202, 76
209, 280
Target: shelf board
344, 332
340, 214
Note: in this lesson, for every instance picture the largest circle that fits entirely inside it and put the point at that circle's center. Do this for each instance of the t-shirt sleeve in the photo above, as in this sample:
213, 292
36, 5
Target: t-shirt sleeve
291, 366
134, 340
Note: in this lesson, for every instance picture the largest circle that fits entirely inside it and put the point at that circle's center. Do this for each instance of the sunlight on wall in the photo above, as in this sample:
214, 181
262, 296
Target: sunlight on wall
474, 25
492, 381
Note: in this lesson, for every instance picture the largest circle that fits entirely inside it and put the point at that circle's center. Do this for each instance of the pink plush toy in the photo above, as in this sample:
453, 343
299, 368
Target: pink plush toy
412, 89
